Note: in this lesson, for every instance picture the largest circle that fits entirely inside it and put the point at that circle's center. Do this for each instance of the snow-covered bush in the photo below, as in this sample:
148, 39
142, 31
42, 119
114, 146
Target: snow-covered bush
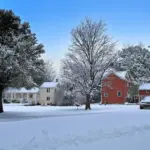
6, 101
15, 101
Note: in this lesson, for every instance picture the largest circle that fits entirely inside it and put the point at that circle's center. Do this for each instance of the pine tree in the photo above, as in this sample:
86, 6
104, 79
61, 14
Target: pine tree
136, 60
20, 53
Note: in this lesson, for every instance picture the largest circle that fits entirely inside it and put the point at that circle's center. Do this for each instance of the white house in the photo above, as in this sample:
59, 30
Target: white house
22, 94
47, 93
50, 93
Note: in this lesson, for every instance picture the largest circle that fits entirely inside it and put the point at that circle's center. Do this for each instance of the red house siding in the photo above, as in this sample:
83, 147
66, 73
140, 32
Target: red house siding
144, 92
115, 84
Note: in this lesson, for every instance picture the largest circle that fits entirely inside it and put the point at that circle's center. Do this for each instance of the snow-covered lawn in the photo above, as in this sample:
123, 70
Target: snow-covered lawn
17, 112
110, 127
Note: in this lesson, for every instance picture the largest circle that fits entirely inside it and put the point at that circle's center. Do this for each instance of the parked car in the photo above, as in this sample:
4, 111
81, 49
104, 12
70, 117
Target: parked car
29, 103
145, 103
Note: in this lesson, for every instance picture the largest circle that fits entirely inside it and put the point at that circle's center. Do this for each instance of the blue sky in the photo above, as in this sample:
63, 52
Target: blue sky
128, 20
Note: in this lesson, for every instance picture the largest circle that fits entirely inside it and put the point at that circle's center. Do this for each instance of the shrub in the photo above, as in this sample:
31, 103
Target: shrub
6, 101
15, 101
29, 104
38, 103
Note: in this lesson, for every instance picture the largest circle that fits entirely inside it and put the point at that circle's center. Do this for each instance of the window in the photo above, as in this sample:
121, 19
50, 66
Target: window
48, 90
31, 95
119, 93
105, 94
147, 91
48, 98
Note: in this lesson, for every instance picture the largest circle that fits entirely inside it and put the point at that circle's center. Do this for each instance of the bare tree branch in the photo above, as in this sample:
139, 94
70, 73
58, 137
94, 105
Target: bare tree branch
90, 55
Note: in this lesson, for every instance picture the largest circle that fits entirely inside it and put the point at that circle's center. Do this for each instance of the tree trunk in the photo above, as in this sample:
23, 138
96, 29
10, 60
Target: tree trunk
87, 105
1, 101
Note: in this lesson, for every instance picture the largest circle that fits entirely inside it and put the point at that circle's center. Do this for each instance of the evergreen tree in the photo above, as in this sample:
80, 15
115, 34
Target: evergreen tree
136, 60
20, 53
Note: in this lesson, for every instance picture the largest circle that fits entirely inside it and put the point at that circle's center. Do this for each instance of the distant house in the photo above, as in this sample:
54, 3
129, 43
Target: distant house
47, 93
50, 93
115, 87
144, 90
22, 94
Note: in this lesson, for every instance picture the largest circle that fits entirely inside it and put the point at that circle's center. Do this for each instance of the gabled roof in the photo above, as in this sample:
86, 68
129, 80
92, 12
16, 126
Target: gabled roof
121, 74
22, 90
49, 85
145, 86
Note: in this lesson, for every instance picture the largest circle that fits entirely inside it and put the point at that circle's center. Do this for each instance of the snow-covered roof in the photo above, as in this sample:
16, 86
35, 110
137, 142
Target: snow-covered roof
22, 90
146, 99
49, 84
120, 74
145, 86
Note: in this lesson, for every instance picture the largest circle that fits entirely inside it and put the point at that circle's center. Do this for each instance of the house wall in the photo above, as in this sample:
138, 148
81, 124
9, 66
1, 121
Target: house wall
44, 94
34, 99
143, 93
12, 96
21, 96
55, 94
115, 84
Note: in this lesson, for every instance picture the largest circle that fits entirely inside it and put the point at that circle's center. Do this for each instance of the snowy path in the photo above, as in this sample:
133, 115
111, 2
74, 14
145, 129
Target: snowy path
118, 127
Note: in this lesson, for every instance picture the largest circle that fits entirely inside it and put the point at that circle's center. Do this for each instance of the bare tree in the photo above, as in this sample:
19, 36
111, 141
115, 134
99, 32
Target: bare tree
69, 92
90, 55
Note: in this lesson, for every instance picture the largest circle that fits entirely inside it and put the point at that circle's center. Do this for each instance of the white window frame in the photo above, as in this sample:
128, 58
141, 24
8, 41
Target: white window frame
105, 94
120, 93
48, 98
48, 90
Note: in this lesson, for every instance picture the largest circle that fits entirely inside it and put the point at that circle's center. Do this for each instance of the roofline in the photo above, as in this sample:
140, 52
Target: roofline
115, 75
47, 87
143, 89
18, 90
144, 84
57, 83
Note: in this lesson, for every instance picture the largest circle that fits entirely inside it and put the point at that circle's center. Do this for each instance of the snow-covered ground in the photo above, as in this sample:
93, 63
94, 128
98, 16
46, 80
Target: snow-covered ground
110, 127
17, 112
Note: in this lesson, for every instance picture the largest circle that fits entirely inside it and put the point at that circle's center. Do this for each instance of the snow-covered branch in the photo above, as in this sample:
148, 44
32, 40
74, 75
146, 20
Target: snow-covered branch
90, 55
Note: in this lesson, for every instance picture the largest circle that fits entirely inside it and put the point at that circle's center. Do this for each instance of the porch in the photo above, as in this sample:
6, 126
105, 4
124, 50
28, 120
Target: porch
22, 97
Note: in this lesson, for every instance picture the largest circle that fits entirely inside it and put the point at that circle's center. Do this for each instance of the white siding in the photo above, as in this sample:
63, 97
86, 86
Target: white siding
44, 94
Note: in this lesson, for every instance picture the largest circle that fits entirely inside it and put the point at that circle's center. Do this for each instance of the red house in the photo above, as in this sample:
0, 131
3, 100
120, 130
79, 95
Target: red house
115, 86
144, 90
